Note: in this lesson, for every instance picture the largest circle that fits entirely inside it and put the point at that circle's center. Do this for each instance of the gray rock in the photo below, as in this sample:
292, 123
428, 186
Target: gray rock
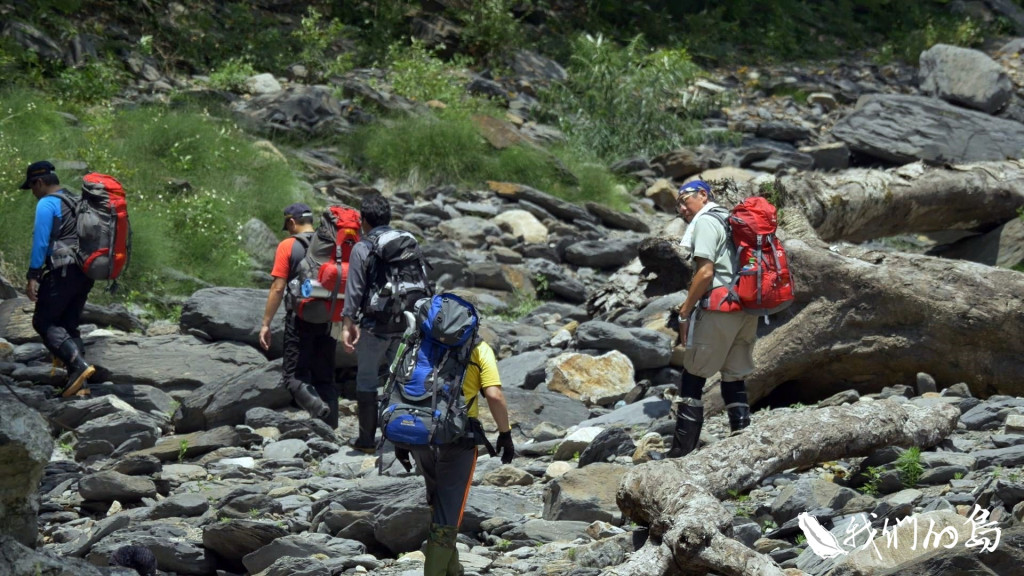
543, 531
170, 363
20, 560
586, 494
1003, 246
301, 546
991, 414
260, 243
532, 66
25, 447
532, 407
526, 370
119, 427
108, 486
966, 77
639, 414
234, 539
608, 444
293, 448
808, 494
615, 219
180, 506
901, 129
227, 400
603, 254
558, 280
644, 347
1009, 457
232, 314
173, 546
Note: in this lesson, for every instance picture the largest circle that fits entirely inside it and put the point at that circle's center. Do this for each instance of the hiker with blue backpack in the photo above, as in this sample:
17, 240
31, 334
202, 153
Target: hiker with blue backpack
430, 407
386, 276
716, 333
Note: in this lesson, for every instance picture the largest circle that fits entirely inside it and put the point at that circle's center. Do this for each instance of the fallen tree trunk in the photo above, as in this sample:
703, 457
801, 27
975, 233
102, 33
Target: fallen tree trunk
680, 499
860, 205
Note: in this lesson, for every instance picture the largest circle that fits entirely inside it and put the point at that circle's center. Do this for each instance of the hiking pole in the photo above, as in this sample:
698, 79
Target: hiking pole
410, 327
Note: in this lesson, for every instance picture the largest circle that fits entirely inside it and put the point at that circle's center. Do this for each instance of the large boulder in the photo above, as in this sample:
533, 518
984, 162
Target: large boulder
171, 363
232, 314
646, 348
226, 401
594, 380
235, 314
965, 77
585, 494
25, 447
902, 129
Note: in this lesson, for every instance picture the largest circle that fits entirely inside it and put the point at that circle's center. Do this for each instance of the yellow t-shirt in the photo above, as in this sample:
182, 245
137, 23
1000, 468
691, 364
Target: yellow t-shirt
482, 372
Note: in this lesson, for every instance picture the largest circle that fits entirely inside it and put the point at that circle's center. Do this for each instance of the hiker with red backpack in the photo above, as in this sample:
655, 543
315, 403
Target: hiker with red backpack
76, 240
309, 349
387, 276
732, 283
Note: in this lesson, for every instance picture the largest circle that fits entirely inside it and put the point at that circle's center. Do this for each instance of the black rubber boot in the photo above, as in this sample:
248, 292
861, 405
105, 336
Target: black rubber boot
366, 411
79, 370
689, 420
307, 398
735, 396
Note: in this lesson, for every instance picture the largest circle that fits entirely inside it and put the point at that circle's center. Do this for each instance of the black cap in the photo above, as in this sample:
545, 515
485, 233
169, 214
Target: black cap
297, 210
35, 170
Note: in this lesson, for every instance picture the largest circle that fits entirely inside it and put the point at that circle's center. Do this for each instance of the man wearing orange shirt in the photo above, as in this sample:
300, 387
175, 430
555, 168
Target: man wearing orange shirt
308, 348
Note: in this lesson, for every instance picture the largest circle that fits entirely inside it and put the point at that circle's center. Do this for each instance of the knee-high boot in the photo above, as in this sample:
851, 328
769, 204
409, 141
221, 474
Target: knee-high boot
78, 369
689, 420
735, 396
366, 411
441, 556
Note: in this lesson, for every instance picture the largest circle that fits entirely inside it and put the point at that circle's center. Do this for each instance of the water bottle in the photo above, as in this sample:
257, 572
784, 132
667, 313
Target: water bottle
750, 268
313, 289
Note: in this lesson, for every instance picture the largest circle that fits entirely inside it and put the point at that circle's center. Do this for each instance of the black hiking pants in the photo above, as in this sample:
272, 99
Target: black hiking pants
448, 474
309, 357
62, 295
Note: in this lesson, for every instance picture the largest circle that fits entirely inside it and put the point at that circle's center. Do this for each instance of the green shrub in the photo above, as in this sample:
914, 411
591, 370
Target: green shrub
417, 73
909, 466
232, 74
447, 148
316, 35
625, 100
489, 27
425, 148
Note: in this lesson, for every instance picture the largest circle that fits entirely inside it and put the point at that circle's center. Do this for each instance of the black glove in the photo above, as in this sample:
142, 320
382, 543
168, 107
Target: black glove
402, 455
506, 449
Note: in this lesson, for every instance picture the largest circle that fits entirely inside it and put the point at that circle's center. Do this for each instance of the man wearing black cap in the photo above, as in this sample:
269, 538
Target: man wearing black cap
308, 348
717, 335
55, 282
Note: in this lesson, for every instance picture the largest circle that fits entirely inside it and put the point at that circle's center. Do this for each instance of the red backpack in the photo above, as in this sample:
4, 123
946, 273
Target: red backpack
317, 289
763, 284
103, 240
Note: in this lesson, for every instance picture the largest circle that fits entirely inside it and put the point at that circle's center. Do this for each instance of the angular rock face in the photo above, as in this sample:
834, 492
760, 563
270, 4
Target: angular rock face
901, 129
965, 77
25, 447
599, 380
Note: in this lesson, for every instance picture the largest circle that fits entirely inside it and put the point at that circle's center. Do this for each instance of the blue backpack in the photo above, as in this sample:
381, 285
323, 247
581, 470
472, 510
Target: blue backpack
422, 403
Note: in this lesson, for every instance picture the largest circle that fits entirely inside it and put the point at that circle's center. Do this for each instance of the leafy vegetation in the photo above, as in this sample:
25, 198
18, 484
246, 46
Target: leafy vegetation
620, 100
193, 179
909, 466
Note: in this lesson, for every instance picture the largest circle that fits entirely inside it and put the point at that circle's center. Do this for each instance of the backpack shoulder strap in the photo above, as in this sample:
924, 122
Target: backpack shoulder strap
299, 249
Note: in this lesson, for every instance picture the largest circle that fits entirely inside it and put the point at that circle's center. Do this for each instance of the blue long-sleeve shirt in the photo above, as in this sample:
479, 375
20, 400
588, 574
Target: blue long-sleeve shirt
48, 219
